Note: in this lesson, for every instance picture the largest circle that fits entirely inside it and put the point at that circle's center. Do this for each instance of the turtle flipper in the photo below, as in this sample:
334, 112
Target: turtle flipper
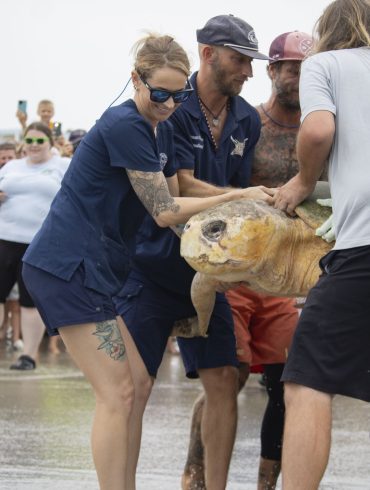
310, 211
203, 297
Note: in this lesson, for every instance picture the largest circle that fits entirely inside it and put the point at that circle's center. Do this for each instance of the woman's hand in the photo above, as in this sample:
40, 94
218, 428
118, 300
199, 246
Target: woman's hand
256, 193
261, 192
2, 196
22, 118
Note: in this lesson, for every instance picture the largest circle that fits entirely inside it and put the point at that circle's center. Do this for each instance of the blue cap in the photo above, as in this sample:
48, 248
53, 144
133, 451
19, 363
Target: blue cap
231, 32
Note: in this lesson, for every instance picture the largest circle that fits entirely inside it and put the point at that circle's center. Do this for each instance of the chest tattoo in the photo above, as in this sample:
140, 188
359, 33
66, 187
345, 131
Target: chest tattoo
275, 157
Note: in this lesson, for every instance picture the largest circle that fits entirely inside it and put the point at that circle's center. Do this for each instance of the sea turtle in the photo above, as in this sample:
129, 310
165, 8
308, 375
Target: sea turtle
254, 243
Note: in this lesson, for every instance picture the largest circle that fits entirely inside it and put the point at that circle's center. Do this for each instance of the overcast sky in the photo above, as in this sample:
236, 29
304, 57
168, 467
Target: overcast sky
77, 52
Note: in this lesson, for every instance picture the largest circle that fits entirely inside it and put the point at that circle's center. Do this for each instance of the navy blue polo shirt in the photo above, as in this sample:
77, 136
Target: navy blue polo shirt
96, 214
158, 250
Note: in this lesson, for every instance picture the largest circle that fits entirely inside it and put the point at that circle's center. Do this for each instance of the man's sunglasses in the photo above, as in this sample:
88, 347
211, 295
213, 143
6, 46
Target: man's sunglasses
161, 95
39, 141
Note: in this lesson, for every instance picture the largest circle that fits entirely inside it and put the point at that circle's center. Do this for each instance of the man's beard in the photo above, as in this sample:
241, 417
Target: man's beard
289, 99
220, 77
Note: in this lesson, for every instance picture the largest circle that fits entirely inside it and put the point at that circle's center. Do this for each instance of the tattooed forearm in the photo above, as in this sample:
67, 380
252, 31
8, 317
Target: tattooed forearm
110, 336
152, 190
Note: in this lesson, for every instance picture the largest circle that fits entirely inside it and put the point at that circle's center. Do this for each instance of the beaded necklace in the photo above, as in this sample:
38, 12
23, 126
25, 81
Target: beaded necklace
215, 117
282, 125
203, 107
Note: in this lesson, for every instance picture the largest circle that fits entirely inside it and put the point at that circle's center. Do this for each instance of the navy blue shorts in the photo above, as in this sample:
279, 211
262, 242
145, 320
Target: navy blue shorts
149, 313
330, 349
62, 303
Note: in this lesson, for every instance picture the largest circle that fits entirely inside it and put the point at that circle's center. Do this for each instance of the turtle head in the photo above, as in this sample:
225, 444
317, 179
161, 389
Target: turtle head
229, 237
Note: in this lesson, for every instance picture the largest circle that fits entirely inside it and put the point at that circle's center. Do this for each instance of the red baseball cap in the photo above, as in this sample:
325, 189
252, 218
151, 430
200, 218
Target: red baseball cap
290, 46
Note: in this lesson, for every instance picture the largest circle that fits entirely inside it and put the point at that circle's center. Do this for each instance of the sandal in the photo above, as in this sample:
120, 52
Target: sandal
24, 363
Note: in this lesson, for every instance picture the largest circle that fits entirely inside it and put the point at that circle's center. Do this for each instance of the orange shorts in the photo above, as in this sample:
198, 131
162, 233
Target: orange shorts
264, 326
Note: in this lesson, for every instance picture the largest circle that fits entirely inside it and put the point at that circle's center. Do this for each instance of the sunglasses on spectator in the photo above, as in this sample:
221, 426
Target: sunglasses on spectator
39, 141
161, 95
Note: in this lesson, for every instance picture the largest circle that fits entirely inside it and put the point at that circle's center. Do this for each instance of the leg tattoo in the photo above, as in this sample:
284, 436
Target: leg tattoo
111, 339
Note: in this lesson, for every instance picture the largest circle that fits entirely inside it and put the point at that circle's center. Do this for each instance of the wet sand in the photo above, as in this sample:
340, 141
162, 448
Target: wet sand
45, 419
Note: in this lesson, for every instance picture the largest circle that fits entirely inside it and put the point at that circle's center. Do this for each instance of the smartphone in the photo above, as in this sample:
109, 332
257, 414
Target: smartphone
22, 106
57, 129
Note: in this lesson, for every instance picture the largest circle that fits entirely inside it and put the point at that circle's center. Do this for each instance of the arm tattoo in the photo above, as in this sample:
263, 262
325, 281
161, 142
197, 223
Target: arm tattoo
110, 336
152, 190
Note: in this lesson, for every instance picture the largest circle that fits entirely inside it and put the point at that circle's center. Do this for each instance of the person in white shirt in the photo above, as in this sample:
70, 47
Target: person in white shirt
27, 188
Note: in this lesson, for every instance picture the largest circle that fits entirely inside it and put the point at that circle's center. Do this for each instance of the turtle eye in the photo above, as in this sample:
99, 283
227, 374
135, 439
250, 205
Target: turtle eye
214, 230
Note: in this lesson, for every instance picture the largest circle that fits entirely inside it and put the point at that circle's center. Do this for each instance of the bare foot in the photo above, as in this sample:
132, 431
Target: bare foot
172, 346
53, 345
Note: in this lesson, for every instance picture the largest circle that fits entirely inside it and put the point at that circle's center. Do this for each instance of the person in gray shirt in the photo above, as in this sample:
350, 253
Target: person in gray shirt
329, 354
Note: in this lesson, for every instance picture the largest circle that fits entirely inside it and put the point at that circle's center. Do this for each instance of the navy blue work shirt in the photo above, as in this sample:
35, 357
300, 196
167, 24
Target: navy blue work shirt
96, 214
158, 250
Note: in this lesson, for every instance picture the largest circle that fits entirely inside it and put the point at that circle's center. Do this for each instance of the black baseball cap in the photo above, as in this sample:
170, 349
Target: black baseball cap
231, 32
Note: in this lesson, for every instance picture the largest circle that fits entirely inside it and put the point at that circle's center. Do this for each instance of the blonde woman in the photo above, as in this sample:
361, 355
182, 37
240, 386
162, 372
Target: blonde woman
123, 168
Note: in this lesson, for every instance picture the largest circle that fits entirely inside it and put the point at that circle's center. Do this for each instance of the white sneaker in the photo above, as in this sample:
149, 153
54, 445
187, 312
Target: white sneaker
18, 345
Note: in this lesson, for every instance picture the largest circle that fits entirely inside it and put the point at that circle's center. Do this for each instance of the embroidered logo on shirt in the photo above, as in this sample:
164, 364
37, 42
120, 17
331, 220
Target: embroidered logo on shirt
163, 159
239, 146
197, 141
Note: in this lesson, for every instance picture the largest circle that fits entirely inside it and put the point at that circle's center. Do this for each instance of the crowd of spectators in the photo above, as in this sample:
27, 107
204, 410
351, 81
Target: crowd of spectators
15, 148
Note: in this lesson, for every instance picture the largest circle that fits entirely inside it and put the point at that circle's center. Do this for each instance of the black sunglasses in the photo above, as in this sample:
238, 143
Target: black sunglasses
161, 95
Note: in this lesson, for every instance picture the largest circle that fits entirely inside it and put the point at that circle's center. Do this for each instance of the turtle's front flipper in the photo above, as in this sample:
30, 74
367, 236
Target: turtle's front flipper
203, 296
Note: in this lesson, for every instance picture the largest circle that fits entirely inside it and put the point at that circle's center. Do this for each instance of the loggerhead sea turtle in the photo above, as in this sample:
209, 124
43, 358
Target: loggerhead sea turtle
254, 243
